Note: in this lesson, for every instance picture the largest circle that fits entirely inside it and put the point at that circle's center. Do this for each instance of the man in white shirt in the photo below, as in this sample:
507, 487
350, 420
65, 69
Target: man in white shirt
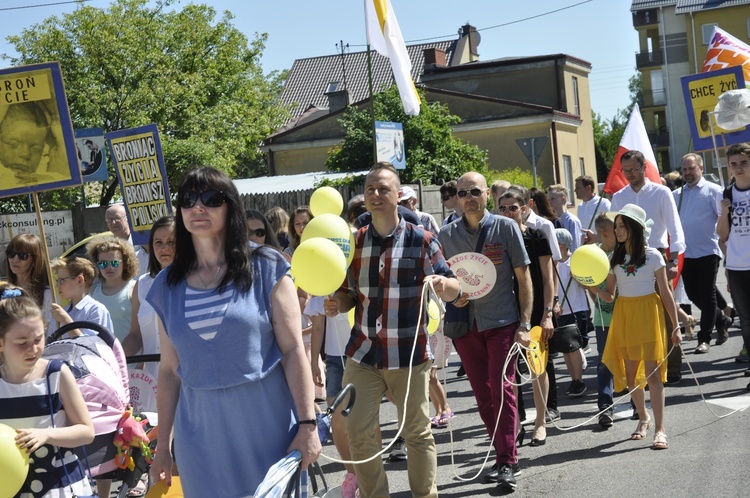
666, 232
117, 222
698, 205
558, 199
590, 207
409, 200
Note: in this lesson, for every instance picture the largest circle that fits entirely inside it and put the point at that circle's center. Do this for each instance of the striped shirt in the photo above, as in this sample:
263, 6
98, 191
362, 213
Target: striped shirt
385, 280
205, 310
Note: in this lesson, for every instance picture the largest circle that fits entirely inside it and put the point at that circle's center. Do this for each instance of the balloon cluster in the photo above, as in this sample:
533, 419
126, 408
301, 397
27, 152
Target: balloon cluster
14, 463
326, 246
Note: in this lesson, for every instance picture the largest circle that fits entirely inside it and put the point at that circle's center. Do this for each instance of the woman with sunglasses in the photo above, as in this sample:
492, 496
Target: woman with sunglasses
231, 345
512, 205
118, 266
26, 269
259, 229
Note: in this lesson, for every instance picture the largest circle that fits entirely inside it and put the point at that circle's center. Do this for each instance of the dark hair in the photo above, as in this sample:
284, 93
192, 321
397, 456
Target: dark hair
154, 267
586, 181
271, 239
26, 242
292, 232
237, 253
637, 244
542, 204
449, 188
515, 195
736, 149
522, 191
634, 154
17, 307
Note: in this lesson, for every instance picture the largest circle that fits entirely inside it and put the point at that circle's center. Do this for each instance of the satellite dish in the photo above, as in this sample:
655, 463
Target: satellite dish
733, 110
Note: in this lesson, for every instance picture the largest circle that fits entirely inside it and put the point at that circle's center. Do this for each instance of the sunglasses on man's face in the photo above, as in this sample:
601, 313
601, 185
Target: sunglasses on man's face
475, 192
258, 232
103, 264
23, 256
209, 198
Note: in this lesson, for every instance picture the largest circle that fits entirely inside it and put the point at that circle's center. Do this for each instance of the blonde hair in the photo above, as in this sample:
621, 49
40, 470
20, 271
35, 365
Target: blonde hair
130, 266
77, 265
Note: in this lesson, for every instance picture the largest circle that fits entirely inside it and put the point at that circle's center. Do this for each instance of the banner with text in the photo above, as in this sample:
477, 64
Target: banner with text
701, 92
58, 232
139, 164
37, 148
390, 141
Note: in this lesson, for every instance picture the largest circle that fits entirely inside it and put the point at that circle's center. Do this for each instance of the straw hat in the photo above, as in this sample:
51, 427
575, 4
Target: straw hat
635, 213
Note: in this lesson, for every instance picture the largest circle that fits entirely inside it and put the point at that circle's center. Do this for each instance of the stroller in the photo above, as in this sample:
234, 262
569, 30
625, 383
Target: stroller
100, 368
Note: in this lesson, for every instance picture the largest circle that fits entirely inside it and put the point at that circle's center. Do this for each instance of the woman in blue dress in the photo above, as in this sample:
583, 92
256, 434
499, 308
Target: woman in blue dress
234, 386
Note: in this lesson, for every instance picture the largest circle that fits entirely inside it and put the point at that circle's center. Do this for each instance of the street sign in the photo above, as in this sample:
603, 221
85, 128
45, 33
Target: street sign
532, 148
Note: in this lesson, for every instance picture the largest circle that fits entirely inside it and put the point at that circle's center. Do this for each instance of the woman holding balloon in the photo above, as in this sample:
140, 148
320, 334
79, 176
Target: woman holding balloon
635, 349
231, 344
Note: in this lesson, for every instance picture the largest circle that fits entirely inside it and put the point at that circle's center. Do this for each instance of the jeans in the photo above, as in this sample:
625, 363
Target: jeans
699, 277
603, 375
739, 283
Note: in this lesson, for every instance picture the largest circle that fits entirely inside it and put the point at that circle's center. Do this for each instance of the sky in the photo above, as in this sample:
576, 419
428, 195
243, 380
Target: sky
598, 31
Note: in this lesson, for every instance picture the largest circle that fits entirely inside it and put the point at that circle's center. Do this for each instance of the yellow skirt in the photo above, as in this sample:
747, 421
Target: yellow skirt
637, 332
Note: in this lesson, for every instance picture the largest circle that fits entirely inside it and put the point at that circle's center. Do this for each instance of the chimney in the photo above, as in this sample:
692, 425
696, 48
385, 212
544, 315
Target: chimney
337, 99
434, 56
470, 32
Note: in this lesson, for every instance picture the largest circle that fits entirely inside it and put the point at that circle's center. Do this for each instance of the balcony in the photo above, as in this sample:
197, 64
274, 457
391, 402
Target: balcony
659, 139
645, 18
648, 59
655, 98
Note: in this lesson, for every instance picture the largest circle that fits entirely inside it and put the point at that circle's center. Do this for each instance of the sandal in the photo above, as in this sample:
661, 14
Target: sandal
660, 441
138, 490
441, 421
641, 430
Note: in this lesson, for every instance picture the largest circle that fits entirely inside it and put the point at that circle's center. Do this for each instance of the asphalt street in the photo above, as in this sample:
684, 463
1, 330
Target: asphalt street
707, 456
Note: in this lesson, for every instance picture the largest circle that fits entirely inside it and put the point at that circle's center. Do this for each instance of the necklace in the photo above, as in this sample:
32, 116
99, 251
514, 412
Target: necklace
211, 281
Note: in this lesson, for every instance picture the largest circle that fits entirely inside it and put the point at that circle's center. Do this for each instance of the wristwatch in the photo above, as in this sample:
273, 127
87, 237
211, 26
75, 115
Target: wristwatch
547, 309
525, 325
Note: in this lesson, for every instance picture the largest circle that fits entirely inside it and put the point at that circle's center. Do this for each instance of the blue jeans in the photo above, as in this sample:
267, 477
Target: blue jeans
603, 375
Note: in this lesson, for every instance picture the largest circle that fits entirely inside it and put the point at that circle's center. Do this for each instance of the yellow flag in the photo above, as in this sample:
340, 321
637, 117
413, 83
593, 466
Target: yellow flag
384, 35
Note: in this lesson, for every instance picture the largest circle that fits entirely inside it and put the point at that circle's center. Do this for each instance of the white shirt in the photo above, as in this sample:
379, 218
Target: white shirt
638, 281
338, 329
428, 222
659, 205
738, 255
699, 211
590, 209
576, 295
548, 229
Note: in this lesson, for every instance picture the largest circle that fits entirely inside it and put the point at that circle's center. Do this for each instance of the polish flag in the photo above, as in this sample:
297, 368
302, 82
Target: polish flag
634, 138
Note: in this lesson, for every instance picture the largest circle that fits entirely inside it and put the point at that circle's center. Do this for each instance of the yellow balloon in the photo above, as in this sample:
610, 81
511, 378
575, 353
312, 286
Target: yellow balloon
433, 315
160, 489
350, 316
334, 228
318, 266
589, 265
14, 463
326, 200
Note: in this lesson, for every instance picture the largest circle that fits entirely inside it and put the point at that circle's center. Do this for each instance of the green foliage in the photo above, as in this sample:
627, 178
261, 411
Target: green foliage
516, 176
433, 154
135, 62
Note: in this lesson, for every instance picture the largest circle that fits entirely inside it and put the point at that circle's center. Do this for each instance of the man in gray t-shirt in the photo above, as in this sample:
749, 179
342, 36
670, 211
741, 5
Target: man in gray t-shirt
494, 317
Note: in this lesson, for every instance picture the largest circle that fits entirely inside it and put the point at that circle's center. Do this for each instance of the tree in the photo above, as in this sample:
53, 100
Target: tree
197, 78
433, 154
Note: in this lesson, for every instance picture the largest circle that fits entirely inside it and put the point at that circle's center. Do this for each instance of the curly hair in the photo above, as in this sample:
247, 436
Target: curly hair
31, 244
18, 306
98, 245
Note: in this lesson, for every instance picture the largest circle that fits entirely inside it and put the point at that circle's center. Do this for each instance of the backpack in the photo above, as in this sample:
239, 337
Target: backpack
728, 195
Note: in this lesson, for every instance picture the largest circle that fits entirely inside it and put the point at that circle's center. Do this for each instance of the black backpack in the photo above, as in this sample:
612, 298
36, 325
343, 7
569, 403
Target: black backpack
728, 195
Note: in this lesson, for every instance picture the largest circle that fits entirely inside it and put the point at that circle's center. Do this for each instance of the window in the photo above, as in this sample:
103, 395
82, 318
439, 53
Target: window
582, 165
333, 86
569, 184
708, 30
576, 103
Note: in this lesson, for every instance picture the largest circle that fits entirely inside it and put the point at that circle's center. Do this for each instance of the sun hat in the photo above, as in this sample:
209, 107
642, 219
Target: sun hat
407, 193
635, 213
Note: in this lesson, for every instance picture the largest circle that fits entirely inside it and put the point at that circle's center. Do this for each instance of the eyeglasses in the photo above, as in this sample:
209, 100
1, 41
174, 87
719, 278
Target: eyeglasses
209, 198
112, 221
512, 208
475, 192
23, 256
629, 171
258, 232
446, 197
103, 264
404, 203
63, 279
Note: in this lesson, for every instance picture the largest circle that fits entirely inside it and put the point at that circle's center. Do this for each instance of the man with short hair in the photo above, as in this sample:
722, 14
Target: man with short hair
450, 201
409, 200
590, 207
497, 189
393, 261
558, 199
666, 232
495, 321
698, 205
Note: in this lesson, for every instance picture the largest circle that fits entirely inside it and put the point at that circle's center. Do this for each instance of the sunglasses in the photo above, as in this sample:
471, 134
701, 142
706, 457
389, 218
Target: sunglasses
512, 208
209, 198
445, 197
258, 232
103, 264
23, 256
475, 192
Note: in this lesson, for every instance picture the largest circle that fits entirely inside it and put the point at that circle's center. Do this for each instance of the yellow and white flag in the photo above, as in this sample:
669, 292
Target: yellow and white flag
384, 35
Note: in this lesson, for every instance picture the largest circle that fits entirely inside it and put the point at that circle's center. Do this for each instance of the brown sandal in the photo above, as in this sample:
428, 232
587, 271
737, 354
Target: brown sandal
641, 430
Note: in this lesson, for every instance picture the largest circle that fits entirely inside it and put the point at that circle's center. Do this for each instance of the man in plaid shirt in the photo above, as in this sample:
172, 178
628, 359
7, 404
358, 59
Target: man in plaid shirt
392, 261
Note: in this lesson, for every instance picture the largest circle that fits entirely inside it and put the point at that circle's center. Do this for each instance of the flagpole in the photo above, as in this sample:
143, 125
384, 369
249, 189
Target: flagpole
372, 106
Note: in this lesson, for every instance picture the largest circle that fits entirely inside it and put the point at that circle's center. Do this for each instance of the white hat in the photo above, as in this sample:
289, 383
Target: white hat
407, 193
634, 213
